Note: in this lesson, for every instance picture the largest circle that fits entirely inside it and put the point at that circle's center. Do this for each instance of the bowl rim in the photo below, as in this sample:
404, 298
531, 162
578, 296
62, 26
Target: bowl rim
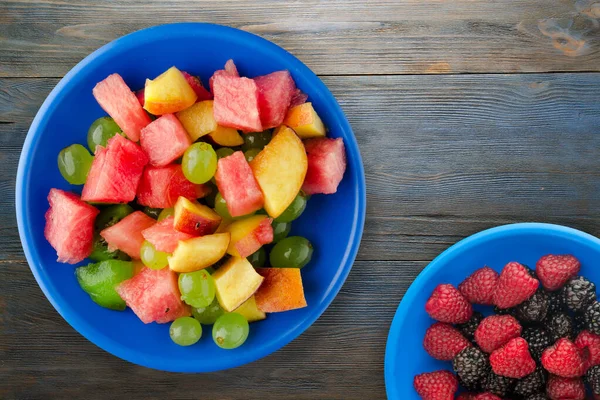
148, 35
464, 244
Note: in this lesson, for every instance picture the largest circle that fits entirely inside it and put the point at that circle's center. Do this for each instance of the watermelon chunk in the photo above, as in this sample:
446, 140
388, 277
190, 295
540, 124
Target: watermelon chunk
298, 98
326, 165
164, 140
115, 172
163, 235
126, 235
263, 234
237, 185
154, 296
160, 187
197, 86
236, 103
115, 97
69, 226
275, 93
229, 70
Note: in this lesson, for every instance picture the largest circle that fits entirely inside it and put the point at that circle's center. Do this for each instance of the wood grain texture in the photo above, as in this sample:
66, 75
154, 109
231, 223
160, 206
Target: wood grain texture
43, 38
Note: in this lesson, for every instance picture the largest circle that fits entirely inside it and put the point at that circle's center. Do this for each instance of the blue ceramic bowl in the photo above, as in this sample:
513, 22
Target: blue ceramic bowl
333, 223
525, 243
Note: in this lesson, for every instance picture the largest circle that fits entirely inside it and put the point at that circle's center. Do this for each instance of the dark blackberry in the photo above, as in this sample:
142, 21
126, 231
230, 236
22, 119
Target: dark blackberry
531, 384
504, 311
539, 396
469, 327
499, 385
471, 366
578, 293
579, 323
592, 318
592, 378
555, 302
534, 309
560, 325
538, 340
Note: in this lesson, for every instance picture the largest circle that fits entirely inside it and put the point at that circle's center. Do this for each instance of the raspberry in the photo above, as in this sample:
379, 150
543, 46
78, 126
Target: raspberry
578, 293
478, 288
513, 359
531, 384
538, 340
439, 385
559, 388
486, 396
559, 326
564, 359
534, 309
592, 317
515, 285
468, 328
591, 342
555, 270
447, 304
471, 366
498, 385
444, 342
495, 331
592, 377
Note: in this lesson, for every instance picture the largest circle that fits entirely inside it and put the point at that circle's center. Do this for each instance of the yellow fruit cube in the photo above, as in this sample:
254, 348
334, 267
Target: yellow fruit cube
229, 137
242, 235
236, 281
303, 119
250, 311
168, 93
198, 120
199, 252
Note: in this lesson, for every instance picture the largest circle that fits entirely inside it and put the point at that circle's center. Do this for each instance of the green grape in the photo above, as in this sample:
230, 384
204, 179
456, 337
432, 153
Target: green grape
185, 331
199, 163
294, 210
100, 131
224, 152
153, 258
210, 270
209, 314
230, 330
197, 288
256, 140
251, 154
111, 215
280, 230
152, 212
221, 209
258, 258
291, 252
100, 251
74, 163
166, 213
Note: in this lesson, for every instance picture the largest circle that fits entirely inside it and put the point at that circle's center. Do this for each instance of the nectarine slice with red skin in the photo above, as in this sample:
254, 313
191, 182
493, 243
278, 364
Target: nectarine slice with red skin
195, 219
281, 290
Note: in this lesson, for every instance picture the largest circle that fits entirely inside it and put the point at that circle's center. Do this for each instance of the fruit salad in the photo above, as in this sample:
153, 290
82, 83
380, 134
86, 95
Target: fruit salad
188, 199
541, 341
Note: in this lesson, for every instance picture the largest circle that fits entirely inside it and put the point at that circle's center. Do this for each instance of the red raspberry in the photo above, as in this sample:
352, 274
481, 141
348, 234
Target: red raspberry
446, 304
564, 359
515, 285
486, 396
556, 270
443, 341
588, 344
439, 385
479, 287
495, 331
513, 359
559, 388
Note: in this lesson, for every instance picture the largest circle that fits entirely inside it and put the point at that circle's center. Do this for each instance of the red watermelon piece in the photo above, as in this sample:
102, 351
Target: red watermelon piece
164, 140
154, 296
115, 97
69, 226
160, 187
126, 235
298, 98
326, 165
229, 70
236, 103
163, 235
115, 172
197, 86
275, 92
263, 234
237, 185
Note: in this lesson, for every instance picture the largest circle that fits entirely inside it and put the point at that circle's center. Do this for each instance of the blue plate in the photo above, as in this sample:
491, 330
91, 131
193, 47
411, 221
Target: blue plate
333, 223
525, 243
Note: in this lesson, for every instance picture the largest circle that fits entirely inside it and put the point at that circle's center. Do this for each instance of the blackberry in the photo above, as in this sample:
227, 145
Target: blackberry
592, 378
469, 327
534, 309
555, 302
504, 311
471, 366
531, 384
579, 323
538, 340
578, 293
560, 325
539, 396
592, 317
499, 385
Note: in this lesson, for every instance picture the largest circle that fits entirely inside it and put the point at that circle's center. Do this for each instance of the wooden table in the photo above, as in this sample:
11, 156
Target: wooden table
469, 114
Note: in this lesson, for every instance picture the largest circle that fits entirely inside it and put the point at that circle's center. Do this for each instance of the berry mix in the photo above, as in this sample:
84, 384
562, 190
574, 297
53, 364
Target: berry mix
542, 341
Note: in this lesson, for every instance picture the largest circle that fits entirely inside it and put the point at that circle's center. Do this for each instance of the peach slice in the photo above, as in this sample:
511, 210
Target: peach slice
194, 218
236, 281
168, 93
303, 119
281, 290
